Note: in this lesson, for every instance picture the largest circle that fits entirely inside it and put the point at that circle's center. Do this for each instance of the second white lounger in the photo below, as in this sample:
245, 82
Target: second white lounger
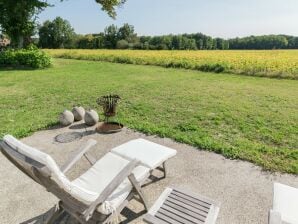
150, 154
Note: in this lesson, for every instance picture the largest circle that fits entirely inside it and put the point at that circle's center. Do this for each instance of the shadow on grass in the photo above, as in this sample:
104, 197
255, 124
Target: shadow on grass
8, 69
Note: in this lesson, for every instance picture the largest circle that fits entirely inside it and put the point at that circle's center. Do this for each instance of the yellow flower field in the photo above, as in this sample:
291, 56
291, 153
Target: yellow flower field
271, 63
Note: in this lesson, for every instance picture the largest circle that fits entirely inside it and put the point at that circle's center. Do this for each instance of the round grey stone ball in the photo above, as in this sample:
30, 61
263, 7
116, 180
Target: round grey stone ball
66, 118
78, 113
91, 117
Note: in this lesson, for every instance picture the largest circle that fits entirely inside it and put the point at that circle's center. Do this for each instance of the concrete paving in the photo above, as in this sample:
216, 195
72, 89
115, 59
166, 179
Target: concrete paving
243, 189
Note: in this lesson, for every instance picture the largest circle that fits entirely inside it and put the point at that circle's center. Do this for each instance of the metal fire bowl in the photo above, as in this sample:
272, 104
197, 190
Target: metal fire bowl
101, 129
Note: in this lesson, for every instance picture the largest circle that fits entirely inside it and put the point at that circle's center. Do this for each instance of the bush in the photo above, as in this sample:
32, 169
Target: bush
28, 58
122, 44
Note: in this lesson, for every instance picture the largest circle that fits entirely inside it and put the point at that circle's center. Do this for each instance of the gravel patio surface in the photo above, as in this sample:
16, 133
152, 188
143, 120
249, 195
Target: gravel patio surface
243, 189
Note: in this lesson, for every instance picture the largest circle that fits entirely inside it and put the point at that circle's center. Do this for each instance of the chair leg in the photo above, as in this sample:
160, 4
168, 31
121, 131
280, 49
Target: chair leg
164, 169
138, 188
54, 214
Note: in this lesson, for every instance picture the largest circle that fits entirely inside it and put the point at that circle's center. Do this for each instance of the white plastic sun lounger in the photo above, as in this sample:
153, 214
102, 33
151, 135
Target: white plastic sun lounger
99, 194
285, 205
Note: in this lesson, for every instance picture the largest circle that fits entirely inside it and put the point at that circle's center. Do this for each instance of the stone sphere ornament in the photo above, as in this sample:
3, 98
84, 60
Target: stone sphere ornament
66, 118
78, 113
91, 117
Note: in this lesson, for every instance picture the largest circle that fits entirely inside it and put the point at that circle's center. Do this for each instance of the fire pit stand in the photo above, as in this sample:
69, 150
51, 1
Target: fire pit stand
109, 104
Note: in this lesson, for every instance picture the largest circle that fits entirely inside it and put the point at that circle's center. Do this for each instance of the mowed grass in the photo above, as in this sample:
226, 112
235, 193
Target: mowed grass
241, 117
266, 63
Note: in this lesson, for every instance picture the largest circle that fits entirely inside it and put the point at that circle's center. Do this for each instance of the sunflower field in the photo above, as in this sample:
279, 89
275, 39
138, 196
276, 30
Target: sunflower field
265, 63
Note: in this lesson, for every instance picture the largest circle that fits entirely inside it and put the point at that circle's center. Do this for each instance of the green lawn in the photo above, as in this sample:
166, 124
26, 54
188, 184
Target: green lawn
250, 118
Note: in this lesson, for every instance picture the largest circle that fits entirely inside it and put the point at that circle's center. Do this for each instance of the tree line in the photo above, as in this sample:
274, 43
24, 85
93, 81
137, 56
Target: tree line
60, 34
264, 42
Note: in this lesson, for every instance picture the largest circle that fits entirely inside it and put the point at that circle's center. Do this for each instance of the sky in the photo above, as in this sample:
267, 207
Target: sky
217, 18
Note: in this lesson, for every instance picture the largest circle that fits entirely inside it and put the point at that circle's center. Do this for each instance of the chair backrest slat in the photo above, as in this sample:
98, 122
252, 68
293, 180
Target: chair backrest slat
47, 174
24, 163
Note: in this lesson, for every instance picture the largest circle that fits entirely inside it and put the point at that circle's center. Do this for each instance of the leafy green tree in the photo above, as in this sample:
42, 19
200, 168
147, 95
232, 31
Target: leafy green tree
215, 44
111, 36
99, 41
167, 41
208, 43
225, 45
177, 42
87, 42
188, 44
109, 6
56, 34
200, 44
199, 38
292, 42
221, 44
18, 18
126, 32
145, 45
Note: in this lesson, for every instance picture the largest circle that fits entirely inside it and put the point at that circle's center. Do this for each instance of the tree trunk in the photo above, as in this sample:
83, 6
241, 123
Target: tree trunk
21, 42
